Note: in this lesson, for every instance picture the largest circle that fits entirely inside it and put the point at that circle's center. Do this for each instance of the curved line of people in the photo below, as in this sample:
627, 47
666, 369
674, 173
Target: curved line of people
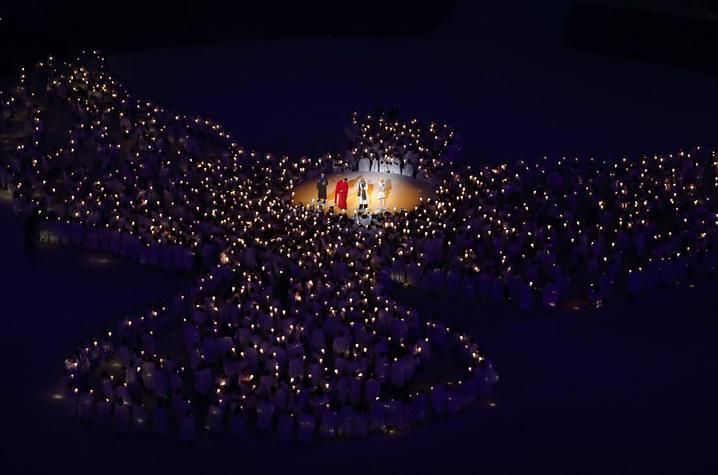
286, 328
552, 233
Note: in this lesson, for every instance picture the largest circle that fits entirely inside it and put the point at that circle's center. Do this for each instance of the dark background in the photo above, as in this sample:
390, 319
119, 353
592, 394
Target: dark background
680, 31
66, 26
628, 389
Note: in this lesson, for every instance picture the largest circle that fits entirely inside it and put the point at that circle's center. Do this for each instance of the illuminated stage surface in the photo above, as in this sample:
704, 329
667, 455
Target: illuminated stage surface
401, 191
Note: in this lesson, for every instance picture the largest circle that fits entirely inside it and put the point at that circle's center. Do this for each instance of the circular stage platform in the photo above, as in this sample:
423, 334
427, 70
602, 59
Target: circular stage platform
401, 191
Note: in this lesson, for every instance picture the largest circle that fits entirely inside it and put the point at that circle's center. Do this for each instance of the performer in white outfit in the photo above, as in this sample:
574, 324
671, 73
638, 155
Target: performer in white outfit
381, 194
395, 166
364, 164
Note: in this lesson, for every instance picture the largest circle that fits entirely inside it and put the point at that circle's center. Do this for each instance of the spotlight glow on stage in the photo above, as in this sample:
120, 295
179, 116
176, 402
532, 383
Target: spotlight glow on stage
401, 191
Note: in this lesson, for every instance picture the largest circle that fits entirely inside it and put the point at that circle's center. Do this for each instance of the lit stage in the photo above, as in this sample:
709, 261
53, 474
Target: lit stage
401, 191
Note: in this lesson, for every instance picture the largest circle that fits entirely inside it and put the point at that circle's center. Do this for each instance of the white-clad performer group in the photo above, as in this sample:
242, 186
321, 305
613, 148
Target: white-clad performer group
387, 165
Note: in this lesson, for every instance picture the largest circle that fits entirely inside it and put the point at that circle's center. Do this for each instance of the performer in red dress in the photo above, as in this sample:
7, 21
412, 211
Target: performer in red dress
340, 193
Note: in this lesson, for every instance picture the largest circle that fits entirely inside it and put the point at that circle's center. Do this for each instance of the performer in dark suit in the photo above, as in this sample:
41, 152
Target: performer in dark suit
322, 189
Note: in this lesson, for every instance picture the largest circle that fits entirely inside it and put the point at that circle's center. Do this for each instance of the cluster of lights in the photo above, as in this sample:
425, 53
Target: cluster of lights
290, 322
287, 322
391, 145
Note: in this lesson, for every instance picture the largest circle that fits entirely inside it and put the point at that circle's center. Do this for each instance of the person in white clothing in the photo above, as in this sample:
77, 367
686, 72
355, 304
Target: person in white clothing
381, 194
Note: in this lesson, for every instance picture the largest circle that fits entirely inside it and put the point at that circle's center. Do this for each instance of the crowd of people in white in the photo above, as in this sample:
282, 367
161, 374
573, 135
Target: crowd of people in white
286, 329
290, 326
381, 143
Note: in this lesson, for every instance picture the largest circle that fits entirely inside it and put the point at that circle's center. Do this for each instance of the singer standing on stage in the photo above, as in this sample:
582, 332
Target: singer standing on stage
363, 194
322, 189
